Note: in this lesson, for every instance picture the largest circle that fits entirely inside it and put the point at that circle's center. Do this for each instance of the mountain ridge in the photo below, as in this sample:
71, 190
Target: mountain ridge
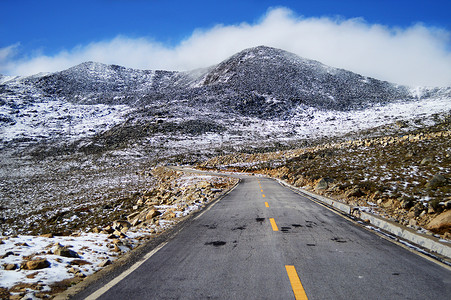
260, 93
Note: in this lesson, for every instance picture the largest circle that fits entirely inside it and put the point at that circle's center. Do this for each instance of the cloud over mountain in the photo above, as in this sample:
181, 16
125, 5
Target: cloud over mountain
417, 55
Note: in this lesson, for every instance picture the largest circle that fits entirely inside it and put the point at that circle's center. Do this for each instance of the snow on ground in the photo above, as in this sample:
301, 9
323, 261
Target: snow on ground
93, 248
48, 119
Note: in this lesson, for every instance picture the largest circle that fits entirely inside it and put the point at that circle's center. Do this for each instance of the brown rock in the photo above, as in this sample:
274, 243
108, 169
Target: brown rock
119, 224
119, 234
36, 264
387, 204
152, 214
10, 267
79, 262
108, 229
47, 235
441, 223
104, 263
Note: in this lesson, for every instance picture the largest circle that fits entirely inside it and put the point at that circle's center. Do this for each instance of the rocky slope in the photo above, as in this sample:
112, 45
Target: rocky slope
403, 177
73, 245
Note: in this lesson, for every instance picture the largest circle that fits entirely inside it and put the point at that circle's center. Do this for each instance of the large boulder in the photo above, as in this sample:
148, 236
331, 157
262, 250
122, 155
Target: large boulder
322, 184
36, 264
65, 251
152, 213
441, 223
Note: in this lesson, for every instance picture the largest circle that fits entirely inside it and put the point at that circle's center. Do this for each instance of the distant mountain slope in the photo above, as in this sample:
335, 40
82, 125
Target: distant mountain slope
260, 82
264, 73
260, 93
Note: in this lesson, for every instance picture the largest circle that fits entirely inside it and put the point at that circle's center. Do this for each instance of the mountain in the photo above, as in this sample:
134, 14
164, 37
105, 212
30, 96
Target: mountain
260, 93
264, 73
260, 82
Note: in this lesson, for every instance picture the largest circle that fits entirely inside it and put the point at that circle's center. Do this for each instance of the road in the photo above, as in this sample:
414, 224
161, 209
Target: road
264, 241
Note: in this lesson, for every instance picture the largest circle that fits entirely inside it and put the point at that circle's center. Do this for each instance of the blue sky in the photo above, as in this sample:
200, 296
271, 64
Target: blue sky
52, 35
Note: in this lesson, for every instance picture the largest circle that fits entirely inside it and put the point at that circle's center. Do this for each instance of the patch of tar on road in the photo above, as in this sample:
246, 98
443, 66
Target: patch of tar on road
339, 240
261, 220
296, 225
311, 245
211, 226
239, 228
285, 229
216, 243
310, 224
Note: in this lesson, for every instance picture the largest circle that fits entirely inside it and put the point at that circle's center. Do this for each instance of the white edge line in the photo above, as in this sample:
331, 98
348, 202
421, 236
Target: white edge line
124, 274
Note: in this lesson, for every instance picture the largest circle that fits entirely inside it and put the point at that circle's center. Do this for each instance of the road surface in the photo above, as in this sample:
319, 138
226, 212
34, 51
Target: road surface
264, 241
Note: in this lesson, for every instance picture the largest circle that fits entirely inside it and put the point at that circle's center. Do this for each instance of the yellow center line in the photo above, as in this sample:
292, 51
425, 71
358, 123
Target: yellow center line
263, 195
266, 204
296, 285
273, 224
261, 191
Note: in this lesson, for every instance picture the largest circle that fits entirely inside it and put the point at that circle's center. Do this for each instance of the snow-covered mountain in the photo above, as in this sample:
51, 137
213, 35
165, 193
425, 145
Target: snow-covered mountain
258, 94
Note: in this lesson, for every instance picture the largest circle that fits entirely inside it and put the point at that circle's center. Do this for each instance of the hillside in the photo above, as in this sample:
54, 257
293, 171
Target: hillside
98, 124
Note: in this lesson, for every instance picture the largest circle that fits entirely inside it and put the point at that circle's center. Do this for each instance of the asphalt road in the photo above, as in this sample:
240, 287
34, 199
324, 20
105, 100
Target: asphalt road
233, 251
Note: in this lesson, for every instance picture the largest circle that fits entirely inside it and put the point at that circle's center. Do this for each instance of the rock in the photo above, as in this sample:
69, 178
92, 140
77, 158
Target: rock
377, 195
322, 184
416, 210
119, 234
170, 215
65, 251
108, 229
37, 264
355, 192
406, 203
426, 161
104, 263
441, 223
412, 222
10, 267
136, 222
132, 216
79, 262
387, 204
47, 235
437, 181
6, 254
152, 214
119, 224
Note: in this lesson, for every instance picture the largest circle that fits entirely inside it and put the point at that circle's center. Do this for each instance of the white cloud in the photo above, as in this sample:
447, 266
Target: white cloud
418, 55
